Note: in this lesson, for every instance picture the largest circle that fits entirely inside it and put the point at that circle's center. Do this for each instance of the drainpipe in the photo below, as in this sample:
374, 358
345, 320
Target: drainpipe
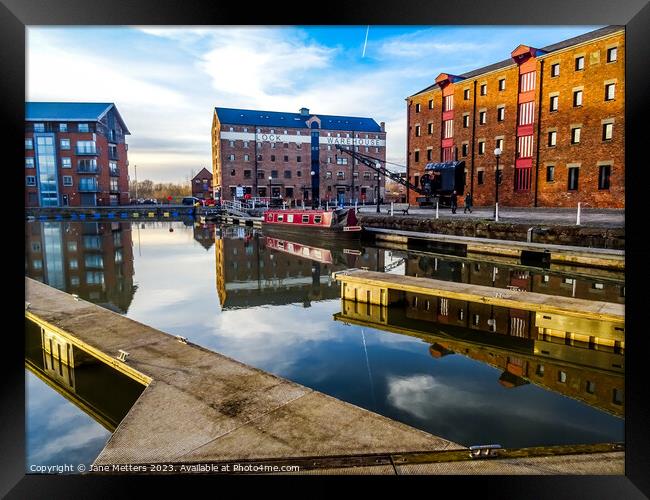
473, 141
539, 127
408, 148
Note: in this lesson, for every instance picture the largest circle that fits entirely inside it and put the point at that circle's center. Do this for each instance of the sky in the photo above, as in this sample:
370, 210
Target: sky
166, 81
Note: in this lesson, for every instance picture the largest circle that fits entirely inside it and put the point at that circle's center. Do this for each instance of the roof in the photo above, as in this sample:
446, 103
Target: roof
576, 40
70, 111
202, 172
233, 116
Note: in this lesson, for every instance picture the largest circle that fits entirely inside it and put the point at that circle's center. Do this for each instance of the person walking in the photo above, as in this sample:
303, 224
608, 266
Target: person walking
454, 202
468, 203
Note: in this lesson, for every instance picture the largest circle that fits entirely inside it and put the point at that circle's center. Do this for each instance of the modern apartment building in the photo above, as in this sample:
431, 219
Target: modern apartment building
294, 156
75, 155
557, 114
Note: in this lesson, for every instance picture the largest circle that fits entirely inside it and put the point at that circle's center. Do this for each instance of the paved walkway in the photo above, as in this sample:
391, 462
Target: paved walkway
602, 217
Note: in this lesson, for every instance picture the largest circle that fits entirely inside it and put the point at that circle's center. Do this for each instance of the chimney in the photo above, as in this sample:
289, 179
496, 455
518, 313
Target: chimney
304, 111
383, 126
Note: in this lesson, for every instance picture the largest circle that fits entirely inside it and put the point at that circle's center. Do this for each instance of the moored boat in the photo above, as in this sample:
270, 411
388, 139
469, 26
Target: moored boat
337, 223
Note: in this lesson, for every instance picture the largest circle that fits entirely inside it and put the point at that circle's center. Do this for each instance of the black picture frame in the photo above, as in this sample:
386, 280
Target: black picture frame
15, 15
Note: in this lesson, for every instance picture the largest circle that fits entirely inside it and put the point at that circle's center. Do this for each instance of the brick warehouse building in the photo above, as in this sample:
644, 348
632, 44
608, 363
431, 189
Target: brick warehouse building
75, 155
249, 146
557, 114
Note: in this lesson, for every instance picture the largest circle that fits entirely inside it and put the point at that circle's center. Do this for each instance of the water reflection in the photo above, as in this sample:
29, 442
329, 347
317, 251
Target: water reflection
253, 269
74, 403
593, 376
467, 373
91, 259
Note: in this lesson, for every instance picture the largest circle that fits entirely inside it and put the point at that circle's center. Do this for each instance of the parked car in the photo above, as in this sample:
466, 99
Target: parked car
192, 200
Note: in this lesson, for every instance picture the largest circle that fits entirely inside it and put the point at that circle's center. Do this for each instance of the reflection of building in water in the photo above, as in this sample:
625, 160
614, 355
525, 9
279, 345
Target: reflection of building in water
97, 389
204, 234
548, 282
91, 259
593, 376
251, 270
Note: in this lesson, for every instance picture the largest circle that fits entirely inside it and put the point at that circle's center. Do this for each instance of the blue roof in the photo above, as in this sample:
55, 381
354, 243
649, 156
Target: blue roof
69, 111
232, 116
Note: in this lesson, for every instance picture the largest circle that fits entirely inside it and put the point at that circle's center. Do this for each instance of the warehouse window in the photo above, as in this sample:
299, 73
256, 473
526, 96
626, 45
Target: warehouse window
430, 103
481, 176
554, 102
612, 54
555, 69
575, 135
464, 149
466, 94
550, 173
430, 128
608, 131
577, 98
573, 178
416, 156
417, 131
417, 108
502, 84
481, 147
429, 154
484, 89
552, 138
580, 63
482, 117
501, 114
604, 172
610, 91
465, 121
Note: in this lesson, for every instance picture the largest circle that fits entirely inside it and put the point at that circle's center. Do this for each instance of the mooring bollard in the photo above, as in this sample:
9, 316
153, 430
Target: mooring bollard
436, 209
391, 208
496, 212
578, 217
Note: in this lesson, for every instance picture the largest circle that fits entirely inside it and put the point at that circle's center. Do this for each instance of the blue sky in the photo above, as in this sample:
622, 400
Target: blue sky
166, 81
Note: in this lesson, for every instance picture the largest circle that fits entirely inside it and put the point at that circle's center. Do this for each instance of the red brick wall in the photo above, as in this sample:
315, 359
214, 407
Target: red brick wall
591, 150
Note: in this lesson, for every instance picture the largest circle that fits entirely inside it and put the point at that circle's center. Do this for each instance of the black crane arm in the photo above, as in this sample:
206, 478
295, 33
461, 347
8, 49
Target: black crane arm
376, 165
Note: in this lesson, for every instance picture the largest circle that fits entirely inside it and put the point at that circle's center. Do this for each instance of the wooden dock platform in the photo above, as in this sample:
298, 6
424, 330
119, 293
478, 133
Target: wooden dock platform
604, 322
524, 251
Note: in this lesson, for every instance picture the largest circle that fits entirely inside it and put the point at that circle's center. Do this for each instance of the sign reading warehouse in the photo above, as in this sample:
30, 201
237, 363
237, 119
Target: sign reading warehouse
304, 139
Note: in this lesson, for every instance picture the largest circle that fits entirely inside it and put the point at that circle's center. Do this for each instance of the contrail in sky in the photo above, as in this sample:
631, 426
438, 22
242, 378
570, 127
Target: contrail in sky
366, 42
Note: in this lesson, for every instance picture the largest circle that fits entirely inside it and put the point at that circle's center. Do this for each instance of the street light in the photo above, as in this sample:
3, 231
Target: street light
497, 153
378, 183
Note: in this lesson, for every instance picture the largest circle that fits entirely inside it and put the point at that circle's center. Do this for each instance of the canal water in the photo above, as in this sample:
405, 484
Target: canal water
469, 373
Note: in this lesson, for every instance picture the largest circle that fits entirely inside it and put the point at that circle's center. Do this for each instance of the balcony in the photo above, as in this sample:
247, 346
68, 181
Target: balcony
114, 172
112, 155
88, 188
88, 170
87, 151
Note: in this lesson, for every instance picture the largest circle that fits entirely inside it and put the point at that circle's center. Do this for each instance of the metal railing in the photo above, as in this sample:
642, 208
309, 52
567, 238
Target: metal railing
88, 170
87, 151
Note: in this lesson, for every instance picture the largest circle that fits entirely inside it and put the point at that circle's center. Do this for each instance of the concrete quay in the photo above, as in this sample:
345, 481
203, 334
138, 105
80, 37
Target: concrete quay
200, 406
540, 253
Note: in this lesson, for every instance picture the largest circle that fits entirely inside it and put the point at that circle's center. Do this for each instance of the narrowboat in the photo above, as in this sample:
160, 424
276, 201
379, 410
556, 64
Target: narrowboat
341, 223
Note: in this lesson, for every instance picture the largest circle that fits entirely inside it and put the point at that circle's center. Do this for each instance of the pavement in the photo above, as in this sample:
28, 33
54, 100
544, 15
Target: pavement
593, 217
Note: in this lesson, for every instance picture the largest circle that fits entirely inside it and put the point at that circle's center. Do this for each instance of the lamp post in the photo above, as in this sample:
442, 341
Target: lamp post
378, 183
497, 153
314, 201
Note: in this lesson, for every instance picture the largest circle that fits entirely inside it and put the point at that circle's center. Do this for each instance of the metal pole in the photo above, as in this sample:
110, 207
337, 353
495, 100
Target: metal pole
496, 198
436, 209
378, 181
136, 183
578, 218
391, 208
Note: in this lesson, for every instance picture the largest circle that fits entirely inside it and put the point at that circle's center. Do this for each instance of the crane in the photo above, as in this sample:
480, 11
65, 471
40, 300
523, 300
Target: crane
435, 186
